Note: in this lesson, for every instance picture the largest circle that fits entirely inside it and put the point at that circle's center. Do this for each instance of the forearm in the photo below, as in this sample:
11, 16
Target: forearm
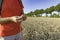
5, 20
14, 19
11, 19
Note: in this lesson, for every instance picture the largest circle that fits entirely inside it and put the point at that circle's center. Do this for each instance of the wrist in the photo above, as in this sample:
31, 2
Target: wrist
13, 19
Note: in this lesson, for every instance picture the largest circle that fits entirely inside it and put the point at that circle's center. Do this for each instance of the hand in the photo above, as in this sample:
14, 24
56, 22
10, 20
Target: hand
17, 18
24, 17
21, 18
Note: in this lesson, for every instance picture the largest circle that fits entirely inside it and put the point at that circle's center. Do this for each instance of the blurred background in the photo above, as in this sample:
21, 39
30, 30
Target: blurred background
43, 20
42, 7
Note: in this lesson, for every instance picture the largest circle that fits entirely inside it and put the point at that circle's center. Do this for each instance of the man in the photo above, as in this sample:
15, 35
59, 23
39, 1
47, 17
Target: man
10, 22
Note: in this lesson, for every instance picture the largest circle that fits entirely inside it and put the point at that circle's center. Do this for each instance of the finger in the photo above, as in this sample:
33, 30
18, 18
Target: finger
19, 21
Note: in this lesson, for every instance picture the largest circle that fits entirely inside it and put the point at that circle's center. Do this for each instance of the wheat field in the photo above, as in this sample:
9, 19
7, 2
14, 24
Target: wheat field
41, 28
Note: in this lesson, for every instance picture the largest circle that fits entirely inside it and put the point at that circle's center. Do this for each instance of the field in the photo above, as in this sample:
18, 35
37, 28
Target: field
40, 28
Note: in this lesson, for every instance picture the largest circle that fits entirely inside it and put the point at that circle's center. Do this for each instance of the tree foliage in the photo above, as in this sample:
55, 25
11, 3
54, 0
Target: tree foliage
47, 10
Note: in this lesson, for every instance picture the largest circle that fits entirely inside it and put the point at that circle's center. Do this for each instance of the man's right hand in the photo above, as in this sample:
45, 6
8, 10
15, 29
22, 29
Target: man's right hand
17, 18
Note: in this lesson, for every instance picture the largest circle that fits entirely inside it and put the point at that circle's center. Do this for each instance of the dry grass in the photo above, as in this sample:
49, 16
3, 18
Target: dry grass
37, 28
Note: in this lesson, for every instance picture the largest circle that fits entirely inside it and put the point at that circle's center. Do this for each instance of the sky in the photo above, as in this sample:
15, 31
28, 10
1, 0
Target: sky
31, 5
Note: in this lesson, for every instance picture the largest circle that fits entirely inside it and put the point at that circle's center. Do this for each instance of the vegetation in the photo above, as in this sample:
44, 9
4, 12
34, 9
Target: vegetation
39, 28
47, 11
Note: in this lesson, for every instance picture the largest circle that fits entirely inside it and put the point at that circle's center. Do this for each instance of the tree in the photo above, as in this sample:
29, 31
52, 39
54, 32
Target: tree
49, 10
46, 11
57, 8
41, 11
38, 12
30, 13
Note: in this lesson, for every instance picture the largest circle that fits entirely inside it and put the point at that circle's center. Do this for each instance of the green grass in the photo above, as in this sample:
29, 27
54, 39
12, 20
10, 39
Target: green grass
41, 28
